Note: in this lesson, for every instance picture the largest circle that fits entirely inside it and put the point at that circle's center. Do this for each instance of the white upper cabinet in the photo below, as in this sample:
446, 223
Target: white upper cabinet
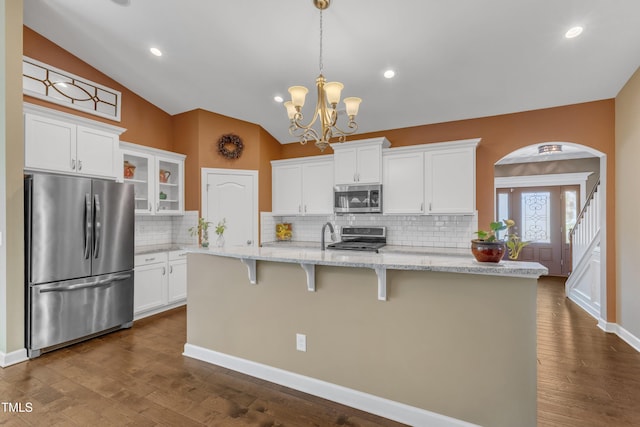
61, 142
403, 182
451, 180
437, 178
157, 176
359, 162
302, 186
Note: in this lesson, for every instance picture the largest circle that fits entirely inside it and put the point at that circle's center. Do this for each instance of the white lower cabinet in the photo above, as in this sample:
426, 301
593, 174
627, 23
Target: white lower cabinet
177, 289
160, 282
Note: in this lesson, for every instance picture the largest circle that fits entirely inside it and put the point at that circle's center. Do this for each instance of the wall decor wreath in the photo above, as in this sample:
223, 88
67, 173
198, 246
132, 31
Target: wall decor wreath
230, 146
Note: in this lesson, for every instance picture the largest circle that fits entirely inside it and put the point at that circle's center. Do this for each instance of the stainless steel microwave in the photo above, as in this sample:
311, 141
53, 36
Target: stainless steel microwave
357, 199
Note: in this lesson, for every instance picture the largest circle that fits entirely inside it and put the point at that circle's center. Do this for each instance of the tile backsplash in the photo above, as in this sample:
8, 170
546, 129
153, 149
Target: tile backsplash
447, 231
164, 230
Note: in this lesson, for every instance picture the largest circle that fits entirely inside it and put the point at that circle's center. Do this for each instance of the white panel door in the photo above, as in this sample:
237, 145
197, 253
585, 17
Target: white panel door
231, 195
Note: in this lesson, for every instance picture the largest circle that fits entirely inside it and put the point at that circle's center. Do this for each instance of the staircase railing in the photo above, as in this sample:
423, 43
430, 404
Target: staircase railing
587, 226
584, 282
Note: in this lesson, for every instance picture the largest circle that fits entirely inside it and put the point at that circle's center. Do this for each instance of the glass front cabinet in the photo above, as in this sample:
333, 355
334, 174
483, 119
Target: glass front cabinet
158, 178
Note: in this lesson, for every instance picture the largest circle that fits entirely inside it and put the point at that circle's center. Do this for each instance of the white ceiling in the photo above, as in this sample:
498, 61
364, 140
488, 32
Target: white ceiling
455, 59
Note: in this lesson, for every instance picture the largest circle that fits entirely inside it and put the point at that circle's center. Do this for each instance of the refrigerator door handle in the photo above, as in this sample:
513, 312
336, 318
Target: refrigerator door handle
98, 284
98, 225
87, 225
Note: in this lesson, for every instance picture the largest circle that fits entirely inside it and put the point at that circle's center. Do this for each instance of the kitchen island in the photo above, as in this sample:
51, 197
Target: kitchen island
422, 339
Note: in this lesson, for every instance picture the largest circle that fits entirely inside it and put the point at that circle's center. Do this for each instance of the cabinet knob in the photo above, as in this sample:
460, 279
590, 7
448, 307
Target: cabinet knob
249, 242
79, 165
164, 271
73, 164
171, 269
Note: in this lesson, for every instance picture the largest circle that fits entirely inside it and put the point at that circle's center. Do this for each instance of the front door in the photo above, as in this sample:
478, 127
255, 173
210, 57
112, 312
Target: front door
231, 195
544, 217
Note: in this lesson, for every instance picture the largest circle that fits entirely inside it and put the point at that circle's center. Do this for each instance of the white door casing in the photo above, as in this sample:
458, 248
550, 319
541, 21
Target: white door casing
231, 194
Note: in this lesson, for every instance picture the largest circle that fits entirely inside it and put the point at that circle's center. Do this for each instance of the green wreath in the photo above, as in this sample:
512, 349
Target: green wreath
230, 146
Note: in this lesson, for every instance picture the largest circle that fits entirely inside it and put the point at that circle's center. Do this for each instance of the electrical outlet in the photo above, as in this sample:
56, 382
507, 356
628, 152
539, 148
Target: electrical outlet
301, 342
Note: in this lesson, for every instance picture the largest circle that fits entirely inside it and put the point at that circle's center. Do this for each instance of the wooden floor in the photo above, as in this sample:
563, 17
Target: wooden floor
138, 377
586, 377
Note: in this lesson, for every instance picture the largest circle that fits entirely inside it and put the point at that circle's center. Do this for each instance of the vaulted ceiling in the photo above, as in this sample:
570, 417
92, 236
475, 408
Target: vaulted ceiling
454, 59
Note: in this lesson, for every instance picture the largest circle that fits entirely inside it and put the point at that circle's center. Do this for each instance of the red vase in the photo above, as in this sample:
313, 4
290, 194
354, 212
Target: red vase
488, 251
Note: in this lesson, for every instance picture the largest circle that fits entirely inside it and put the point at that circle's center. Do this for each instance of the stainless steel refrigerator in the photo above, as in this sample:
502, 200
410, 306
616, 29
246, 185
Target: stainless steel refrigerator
79, 235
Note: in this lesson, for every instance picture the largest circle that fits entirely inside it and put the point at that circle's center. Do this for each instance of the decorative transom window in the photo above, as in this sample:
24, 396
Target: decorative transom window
54, 85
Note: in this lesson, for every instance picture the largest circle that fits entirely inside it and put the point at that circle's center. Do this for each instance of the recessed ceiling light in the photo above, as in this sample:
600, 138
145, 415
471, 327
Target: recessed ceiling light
389, 74
573, 32
278, 98
155, 51
122, 2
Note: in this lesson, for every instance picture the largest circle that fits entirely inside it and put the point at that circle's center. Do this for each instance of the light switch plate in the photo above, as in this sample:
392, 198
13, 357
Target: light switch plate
301, 342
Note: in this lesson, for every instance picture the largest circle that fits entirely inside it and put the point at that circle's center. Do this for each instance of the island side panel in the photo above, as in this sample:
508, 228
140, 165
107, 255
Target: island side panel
457, 344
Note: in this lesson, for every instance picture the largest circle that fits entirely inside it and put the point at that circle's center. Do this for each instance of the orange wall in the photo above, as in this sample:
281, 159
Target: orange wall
196, 133
146, 124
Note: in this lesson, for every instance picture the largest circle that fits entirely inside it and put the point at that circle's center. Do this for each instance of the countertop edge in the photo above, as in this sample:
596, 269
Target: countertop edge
389, 261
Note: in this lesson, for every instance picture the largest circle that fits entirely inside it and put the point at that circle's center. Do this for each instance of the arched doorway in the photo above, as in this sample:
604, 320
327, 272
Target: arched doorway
539, 172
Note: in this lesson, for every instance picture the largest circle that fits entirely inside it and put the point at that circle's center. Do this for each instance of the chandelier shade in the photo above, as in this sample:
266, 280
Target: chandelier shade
326, 109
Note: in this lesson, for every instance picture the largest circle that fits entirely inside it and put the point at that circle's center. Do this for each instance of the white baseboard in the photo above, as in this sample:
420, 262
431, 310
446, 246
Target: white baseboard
386, 408
585, 303
625, 335
8, 359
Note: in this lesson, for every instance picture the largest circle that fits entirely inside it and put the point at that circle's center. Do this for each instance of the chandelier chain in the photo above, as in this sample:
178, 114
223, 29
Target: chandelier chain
321, 64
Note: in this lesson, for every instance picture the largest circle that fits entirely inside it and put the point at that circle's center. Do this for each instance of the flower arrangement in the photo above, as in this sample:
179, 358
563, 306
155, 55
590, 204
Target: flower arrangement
513, 242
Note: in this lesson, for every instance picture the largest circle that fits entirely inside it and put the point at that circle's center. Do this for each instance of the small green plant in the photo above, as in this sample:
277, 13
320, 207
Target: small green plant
222, 225
515, 245
494, 227
202, 229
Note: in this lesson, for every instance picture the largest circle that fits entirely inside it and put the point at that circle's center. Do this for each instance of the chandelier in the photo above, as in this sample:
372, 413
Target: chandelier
326, 111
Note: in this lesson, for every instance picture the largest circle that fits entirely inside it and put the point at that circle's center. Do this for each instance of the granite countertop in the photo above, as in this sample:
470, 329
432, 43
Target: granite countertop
150, 249
434, 261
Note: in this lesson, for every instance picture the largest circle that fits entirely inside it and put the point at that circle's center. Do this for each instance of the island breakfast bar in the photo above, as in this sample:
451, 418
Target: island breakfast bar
422, 339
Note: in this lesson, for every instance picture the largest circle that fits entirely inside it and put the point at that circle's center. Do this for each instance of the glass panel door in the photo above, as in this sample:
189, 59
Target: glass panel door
137, 170
169, 179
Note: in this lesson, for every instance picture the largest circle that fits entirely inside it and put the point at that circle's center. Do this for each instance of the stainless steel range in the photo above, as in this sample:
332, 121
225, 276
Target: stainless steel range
361, 239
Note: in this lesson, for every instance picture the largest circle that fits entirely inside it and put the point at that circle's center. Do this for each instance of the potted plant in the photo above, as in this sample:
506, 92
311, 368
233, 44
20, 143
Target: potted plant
201, 229
222, 225
488, 248
515, 245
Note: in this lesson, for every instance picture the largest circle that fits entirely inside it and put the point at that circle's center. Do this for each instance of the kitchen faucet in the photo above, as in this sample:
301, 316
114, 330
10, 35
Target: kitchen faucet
333, 235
